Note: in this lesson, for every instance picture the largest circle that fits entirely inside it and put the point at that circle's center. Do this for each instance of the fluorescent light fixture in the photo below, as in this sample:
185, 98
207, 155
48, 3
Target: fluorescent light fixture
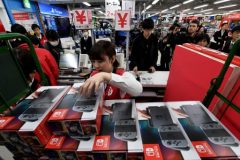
185, 10
191, 13
201, 6
208, 13
206, 10
87, 4
143, 11
221, 1
97, 8
165, 10
154, 2
237, 10
149, 6
229, 6
186, 2
175, 6
198, 15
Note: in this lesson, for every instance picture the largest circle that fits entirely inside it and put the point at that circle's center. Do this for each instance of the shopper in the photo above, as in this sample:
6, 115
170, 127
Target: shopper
220, 37
53, 44
17, 28
230, 42
39, 35
166, 47
46, 60
202, 39
86, 42
118, 84
144, 52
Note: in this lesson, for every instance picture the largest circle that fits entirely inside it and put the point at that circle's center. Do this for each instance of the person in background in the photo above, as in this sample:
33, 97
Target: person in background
144, 52
86, 42
230, 42
118, 83
220, 37
46, 60
166, 47
53, 44
39, 35
202, 39
189, 37
17, 28
202, 29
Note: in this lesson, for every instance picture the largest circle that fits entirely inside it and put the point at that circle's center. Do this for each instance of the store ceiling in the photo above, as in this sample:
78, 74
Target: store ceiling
160, 6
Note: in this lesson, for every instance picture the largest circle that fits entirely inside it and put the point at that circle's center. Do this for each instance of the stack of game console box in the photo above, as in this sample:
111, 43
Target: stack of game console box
25, 131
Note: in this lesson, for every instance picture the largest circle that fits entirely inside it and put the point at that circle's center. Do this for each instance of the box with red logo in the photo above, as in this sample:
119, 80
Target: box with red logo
206, 136
120, 136
77, 116
162, 135
26, 124
61, 147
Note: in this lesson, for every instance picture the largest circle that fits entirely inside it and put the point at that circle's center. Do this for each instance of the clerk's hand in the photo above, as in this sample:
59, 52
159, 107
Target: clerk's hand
135, 70
92, 84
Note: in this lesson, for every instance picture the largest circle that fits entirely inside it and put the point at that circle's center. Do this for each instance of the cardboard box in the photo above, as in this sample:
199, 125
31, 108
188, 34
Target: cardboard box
203, 145
61, 147
19, 130
68, 120
109, 144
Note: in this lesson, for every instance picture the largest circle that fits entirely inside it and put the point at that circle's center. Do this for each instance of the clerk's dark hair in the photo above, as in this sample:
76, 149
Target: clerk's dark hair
34, 26
52, 35
148, 23
101, 48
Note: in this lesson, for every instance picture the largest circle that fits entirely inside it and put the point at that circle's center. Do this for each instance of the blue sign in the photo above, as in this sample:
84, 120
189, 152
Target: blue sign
53, 10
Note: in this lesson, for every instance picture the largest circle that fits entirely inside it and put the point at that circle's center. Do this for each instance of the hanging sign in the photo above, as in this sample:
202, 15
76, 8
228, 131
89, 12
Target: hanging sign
83, 19
129, 5
111, 6
122, 20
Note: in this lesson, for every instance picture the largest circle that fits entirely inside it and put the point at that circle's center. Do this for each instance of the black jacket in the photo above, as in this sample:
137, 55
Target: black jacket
55, 50
220, 38
227, 47
86, 45
144, 52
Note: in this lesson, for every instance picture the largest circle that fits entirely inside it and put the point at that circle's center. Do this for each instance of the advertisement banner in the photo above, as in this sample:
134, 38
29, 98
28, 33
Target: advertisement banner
111, 6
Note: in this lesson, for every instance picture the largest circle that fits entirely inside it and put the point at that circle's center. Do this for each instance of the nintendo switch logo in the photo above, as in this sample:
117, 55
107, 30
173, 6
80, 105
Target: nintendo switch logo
100, 142
200, 148
2, 121
150, 152
57, 114
54, 141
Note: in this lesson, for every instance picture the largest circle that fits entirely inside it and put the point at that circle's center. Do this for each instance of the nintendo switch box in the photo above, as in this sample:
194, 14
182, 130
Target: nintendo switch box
204, 135
77, 116
28, 120
120, 136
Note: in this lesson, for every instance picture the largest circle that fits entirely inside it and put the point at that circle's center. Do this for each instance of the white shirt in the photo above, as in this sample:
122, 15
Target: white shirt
127, 83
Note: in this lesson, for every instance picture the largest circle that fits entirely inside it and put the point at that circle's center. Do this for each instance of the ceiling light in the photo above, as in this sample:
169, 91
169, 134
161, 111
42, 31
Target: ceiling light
149, 6
154, 2
175, 6
191, 13
208, 13
232, 5
201, 6
165, 10
101, 12
185, 10
206, 10
237, 10
87, 4
97, 8
185, 2
221, 1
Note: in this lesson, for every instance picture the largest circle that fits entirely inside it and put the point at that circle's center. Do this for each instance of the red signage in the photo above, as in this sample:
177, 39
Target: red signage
80, 16
21, 16
122, 20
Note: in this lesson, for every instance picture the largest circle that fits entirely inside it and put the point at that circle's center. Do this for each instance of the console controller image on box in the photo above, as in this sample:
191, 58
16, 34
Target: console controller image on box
171, 135
213, 130
124, 124
84, 104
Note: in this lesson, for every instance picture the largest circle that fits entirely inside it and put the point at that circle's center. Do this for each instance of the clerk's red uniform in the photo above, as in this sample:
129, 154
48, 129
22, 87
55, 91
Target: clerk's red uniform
47, 62
112, 92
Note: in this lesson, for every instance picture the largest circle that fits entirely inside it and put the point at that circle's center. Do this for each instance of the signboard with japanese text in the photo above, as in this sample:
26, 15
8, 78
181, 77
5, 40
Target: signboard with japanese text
122, 20
129, 5
111, 6
83, 19
25, 18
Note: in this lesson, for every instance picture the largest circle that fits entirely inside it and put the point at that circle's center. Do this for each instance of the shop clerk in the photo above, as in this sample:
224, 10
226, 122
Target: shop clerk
118, 84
